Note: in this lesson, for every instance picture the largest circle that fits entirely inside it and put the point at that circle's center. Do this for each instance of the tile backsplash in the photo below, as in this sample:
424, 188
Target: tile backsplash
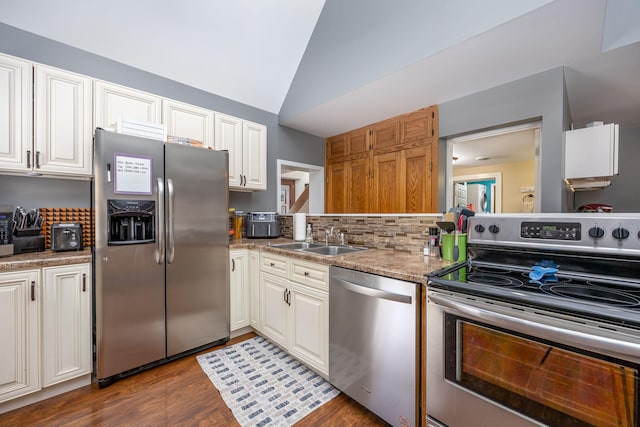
398, 232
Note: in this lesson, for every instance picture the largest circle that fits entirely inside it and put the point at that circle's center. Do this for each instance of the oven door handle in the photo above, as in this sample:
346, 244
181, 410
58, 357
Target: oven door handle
596, 343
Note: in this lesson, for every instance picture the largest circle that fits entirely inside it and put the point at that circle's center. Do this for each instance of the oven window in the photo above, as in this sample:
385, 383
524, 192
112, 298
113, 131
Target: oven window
544, 381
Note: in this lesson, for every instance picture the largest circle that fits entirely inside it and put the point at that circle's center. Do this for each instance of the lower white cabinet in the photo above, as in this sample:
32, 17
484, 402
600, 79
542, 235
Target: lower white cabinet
294, 308
46, 328
254, 290
66, 323
19, 333
239, 292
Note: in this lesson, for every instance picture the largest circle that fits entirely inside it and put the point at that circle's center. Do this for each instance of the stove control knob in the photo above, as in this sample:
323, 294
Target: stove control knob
494, 228
480, 228
620, 233
596, 232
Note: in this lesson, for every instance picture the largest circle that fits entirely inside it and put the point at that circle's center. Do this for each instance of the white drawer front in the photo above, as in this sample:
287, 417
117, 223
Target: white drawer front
310, 274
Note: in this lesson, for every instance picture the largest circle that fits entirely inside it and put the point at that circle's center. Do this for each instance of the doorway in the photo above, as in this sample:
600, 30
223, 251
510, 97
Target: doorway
509, 156
301, 187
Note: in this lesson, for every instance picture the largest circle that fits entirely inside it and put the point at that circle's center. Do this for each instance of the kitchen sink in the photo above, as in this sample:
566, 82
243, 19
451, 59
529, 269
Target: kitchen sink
334, 250
297, 245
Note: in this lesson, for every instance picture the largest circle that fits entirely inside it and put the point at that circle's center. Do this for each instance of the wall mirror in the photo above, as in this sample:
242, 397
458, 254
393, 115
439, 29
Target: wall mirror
301, 188
496, 171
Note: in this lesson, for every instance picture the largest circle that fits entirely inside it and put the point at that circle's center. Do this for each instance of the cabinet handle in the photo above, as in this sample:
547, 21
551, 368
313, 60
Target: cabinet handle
233, 264
29, 159
306, 273
272, 264
289, 297
37, 160
33, 290
284, 295
84, 282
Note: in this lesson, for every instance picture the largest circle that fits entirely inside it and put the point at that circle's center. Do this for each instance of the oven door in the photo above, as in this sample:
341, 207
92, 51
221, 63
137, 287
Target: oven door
493, 363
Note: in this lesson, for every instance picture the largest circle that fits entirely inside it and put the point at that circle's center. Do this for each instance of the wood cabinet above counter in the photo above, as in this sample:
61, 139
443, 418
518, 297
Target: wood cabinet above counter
386, 167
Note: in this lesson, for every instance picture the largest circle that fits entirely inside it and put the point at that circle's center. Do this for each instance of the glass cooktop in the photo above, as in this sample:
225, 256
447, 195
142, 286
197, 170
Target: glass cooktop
609, 299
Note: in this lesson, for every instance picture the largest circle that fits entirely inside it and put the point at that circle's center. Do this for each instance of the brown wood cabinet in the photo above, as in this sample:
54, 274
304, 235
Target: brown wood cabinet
387, 167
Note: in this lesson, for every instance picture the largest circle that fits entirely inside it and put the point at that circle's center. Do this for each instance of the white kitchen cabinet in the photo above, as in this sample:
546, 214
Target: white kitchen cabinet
59, 103
63, 132
19, 333
254, 290
239, 283
188, 121
246, 143
66, 314
114, 101
274, 308
294, 308
15, 114
254, 155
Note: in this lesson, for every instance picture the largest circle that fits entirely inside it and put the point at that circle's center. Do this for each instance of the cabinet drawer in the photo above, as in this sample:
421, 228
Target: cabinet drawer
311, 274
274, 264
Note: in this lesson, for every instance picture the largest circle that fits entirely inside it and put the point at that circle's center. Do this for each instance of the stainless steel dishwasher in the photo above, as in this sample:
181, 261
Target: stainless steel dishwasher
373, 335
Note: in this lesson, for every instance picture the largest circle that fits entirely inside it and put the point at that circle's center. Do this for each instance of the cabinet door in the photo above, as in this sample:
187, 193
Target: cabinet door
309, 325
63, 125
358, 141
254, 155
239, 292
228, 131
15, 114
387, 188
357, 185
254, 290
385, 134
335, 188
19, 334
188, 121
335, 148
417, 168
419, 125
66, 322
113, 101
274, 309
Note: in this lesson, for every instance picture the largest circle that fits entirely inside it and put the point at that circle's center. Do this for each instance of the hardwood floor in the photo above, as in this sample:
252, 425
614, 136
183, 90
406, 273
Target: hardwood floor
175, 394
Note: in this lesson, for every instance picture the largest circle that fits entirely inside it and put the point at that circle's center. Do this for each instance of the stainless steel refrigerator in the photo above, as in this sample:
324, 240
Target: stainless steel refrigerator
161, 252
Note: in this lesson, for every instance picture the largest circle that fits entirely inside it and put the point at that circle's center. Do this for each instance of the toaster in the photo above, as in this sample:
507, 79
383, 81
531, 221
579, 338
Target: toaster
262, 225
66, 236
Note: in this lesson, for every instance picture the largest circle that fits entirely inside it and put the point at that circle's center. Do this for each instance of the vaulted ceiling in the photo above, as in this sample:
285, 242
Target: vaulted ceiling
329, 66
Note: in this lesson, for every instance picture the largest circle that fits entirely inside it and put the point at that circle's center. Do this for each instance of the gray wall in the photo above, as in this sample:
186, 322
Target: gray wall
541, 96
623, 192
282, 142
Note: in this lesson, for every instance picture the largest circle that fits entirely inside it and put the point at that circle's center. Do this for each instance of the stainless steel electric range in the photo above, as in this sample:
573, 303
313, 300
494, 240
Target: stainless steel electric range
541, 326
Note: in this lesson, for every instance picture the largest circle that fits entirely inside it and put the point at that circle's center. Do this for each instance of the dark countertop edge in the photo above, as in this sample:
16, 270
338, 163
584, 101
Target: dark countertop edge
382, 262
46, 258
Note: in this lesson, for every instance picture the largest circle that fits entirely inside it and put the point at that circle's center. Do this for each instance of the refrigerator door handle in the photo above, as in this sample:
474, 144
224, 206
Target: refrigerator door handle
171, 250
161, 223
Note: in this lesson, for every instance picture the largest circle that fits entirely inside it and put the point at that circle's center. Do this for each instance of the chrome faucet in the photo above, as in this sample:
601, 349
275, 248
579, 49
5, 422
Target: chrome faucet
332, 232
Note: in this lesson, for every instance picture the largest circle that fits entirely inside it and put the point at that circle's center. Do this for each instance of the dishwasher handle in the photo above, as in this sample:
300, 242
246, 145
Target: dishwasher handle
371, 292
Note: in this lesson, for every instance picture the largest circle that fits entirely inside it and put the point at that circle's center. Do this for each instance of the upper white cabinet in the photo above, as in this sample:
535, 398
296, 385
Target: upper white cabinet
254, 155
247, 145
114, 101
15, 114
60, 141
66, 311
188, 121
63, 125
19, 334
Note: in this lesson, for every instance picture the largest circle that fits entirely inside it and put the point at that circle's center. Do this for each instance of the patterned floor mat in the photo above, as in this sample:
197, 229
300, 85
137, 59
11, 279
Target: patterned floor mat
263, 385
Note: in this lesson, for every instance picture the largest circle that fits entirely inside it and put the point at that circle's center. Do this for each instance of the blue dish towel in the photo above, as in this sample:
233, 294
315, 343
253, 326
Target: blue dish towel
543, 271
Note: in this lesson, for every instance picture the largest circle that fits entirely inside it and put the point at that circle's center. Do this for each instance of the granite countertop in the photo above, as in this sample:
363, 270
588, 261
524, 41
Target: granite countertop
389, 263
46, 258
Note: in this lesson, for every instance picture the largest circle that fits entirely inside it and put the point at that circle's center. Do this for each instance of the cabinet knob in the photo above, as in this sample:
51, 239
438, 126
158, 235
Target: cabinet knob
306, 273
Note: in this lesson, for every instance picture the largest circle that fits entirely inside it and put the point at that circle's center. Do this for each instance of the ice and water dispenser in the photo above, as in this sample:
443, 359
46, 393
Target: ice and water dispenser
131, 221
